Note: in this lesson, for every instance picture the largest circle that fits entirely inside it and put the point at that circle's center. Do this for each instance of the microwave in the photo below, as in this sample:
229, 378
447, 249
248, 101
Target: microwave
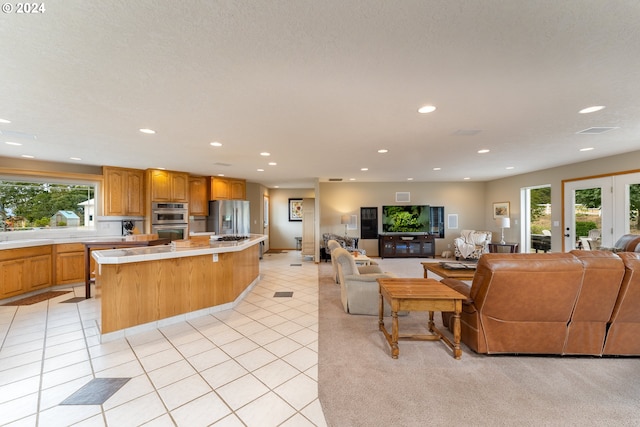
169, 213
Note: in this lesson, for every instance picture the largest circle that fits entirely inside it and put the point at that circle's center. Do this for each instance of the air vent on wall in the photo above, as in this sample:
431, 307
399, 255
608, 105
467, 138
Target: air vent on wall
403, 197
596, 130
335, 179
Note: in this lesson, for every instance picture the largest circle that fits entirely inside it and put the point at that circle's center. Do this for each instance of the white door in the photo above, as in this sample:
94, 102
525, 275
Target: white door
620, 201
588, 204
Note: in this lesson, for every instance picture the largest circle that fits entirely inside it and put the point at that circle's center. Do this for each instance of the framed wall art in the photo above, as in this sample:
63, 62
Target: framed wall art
295, 209
501, 210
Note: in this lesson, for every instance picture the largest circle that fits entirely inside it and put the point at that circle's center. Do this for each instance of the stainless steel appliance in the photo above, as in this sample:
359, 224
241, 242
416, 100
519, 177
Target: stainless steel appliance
169, 213
229, 217
171, 231
170, 220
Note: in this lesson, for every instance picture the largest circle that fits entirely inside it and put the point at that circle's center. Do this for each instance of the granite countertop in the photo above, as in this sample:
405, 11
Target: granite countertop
151, 253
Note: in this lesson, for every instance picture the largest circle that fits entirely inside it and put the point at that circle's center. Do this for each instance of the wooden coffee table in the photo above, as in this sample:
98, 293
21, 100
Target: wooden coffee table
447, 273
419, 295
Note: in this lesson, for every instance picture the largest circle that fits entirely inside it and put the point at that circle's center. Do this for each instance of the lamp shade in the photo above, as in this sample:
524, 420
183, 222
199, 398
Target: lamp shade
345, 219
503, 222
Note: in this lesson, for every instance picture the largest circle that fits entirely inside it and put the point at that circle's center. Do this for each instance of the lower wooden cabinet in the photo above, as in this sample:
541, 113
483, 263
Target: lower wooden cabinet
24, 270
69, 263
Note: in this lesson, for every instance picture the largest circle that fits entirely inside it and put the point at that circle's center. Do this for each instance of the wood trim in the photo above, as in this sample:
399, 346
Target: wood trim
603, 175
51, 174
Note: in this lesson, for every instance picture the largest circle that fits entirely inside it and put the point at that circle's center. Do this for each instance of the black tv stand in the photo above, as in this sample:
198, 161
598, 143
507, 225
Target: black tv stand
406, 245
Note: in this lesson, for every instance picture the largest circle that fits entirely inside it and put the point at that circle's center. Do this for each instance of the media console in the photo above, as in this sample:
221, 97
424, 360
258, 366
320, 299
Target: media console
406, 245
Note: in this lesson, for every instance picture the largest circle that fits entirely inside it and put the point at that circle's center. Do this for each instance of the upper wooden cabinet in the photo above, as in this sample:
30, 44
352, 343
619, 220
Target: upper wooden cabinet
168, 186
228, 188
123, 191
198, 196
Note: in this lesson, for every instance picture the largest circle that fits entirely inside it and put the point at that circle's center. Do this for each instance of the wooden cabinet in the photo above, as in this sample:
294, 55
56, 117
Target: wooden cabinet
406, 246
23, 270
69, 263
168, 186
123, 191
228, 188
198, 196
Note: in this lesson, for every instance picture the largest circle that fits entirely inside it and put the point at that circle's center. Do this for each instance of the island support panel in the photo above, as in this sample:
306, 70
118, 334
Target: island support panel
136, 293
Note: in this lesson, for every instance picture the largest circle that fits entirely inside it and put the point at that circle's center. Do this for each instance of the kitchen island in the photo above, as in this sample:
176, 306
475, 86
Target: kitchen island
156, 285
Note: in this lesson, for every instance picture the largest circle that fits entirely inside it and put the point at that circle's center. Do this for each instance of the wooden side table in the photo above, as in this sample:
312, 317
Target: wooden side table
503, 247
419, 295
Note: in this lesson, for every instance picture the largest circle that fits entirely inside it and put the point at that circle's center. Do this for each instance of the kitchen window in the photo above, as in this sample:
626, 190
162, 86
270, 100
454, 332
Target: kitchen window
32, 204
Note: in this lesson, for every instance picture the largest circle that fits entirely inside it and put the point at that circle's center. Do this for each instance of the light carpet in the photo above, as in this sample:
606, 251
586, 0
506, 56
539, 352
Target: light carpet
361, 385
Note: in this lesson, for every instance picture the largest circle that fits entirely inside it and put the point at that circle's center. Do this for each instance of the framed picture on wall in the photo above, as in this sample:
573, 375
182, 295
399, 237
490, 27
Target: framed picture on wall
295, 209
501, 210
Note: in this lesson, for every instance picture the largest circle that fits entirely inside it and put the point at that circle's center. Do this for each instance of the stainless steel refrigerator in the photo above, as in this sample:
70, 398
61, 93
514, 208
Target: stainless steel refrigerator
229, 217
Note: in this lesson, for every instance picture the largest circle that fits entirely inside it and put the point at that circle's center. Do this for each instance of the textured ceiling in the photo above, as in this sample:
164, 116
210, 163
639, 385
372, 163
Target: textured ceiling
322, 85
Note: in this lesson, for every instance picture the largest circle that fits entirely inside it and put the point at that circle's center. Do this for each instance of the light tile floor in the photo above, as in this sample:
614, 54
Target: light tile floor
253, 365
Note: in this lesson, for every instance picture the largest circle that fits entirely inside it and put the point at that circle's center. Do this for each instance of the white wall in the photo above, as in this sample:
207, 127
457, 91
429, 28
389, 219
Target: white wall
508, 189
467, 199
282, 232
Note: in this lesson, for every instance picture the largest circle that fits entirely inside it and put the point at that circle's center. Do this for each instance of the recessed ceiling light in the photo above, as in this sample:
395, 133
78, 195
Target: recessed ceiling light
483, 151
220, 174
437, 169
364, 169
264, 153
591, 109
272, 163
426, 109
383, 150
148, 131
161, 169
409, 179
215, 144
276, 186
260, 170
586, 149
27, 156
466, 178
352, 179
12, 143
75, 158
509, 167
5, 121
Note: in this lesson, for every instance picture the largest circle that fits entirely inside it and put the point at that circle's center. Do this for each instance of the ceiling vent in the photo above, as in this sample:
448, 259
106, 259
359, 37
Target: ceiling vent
335, 179
596, 130
222, 164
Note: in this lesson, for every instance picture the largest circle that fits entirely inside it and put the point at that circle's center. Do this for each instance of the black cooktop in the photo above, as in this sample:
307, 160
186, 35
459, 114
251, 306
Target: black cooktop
231, 237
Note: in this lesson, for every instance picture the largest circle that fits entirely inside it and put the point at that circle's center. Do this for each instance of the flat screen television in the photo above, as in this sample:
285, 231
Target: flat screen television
406, 219
413, 219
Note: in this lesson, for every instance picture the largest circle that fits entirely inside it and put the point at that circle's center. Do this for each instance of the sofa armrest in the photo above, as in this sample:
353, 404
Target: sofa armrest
367, 277
369, 269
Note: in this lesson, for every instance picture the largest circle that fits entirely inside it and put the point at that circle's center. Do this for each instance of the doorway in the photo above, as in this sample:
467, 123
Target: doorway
536, 217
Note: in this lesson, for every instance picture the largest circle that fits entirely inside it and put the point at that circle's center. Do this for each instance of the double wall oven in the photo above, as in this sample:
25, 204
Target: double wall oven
170, 220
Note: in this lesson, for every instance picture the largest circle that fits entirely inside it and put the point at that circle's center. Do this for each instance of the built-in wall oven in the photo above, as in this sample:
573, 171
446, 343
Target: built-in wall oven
170, 220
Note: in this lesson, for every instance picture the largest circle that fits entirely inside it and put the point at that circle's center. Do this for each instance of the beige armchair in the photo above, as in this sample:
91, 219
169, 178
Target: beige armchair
359, 290
471, 244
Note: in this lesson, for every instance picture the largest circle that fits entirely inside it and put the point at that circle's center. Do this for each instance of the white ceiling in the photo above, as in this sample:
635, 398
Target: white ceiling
322, 85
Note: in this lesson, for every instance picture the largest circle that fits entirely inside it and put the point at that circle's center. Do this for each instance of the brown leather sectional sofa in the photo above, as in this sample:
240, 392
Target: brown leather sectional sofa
577, 303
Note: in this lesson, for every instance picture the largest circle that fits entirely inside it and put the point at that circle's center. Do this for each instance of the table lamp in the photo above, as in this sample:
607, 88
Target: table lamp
346, 220
503, 223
